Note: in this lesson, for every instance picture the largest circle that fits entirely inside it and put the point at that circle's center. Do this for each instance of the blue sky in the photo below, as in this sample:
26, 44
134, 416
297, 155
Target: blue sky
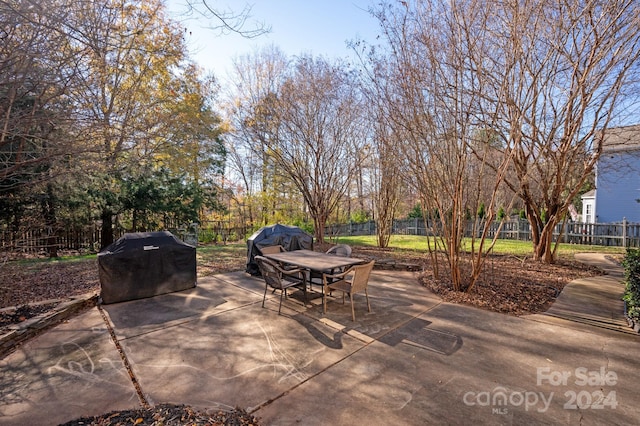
319, 27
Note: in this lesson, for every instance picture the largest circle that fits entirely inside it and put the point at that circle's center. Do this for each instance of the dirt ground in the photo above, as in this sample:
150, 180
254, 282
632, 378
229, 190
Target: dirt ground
508, 284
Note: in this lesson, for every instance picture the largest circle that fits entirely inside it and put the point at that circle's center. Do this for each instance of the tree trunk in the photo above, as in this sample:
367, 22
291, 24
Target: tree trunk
106, 233
49, 213
319, 222
542, 250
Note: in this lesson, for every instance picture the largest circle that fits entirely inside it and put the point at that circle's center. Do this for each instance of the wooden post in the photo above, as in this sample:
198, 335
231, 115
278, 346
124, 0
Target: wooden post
624, 232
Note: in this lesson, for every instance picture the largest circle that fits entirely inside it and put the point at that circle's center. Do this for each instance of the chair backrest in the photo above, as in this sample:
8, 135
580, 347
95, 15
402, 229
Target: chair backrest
343, 250
361, 275
272, 276
271, 249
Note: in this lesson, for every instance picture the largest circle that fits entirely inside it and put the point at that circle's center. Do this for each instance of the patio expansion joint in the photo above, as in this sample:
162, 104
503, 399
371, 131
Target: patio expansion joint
567, 321
136, 384
297, 385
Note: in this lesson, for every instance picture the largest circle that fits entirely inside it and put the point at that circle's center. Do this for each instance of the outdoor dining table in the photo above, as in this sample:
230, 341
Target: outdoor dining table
313, 260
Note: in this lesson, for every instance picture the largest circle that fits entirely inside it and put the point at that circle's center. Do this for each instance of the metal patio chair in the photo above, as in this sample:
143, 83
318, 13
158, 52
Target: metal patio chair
281, 279
351, 281
343, 250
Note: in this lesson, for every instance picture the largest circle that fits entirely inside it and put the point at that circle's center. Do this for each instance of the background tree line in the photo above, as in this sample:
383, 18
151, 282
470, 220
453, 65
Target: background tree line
470, 108
104, 118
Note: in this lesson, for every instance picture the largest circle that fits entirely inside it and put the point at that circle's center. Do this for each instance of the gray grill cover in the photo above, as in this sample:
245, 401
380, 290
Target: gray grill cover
145, 264
289, 237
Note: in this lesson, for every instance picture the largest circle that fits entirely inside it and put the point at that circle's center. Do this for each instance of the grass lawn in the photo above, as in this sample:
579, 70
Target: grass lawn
232, 251
512, 247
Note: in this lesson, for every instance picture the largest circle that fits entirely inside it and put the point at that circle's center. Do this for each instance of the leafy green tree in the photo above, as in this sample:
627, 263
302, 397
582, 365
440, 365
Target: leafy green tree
161, 200
360, 216
416, 212
481, 211
130, 52
194, 143
631, 263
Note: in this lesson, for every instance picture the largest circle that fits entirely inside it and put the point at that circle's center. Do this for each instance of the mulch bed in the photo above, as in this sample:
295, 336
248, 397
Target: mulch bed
23, 313
512, 286
169, 415
507, 284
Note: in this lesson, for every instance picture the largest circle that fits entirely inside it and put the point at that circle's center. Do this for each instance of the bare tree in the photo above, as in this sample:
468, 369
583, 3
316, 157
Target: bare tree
435, 103
227, 20
386, 142
386, 181
561, 74
36, 69
313, 128
257, 77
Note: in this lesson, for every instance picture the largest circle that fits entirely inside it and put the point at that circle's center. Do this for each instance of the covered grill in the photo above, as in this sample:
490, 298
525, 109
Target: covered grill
289, 237
145, 264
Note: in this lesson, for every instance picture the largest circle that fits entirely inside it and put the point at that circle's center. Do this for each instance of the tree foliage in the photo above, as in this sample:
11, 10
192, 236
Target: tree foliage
631, 263
103, 94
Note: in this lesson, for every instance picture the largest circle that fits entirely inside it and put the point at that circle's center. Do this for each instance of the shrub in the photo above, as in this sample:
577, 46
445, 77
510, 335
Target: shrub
631, 263
360, 216
416, 212
303, 224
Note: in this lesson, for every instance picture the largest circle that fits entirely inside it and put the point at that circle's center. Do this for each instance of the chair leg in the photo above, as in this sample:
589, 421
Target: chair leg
366, 293
353, 312
324, 299
304, 292
282, 292
265, 294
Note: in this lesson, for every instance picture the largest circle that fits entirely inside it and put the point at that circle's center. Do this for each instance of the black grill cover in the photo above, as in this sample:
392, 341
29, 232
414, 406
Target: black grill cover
289, 237
145, 264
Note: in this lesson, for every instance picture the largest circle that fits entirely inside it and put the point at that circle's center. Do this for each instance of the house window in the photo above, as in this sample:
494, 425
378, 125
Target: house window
588, 213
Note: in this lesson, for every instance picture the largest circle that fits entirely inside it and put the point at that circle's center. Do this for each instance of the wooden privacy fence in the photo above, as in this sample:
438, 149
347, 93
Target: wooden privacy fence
41, 240
619, 234
88, 239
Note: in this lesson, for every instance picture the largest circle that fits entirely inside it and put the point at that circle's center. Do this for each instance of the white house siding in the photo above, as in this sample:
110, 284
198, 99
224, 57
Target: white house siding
618, 187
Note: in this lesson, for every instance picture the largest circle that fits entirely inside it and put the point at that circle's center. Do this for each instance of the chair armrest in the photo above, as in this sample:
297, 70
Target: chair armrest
291, 271
339, 275
296, 272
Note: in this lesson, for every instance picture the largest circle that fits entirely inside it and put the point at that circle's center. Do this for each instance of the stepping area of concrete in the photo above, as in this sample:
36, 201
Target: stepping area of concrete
413, 360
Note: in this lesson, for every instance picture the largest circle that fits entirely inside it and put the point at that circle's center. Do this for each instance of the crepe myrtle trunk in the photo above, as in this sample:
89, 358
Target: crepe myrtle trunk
319, 223
541, 235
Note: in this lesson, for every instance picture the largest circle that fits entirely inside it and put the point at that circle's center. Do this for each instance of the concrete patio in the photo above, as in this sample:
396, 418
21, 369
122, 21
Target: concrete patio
413, 360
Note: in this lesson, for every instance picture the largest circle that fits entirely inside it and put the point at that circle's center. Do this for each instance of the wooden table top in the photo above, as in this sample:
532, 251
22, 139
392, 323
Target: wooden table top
313, 260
